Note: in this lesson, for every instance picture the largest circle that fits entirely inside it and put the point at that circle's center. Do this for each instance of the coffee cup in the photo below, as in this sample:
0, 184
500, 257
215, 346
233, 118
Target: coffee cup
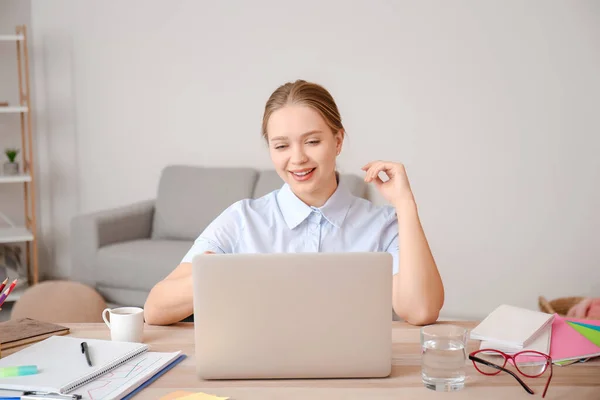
126, 324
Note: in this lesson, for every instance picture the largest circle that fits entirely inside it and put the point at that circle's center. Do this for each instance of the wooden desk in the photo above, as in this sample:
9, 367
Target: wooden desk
579, 381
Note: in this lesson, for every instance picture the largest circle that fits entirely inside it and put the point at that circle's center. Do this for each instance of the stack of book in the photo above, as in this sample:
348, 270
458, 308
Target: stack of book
22, 331
513, 329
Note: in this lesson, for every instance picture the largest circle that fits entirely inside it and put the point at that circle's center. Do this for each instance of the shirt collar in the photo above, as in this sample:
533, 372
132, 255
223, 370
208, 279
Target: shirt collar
295, 211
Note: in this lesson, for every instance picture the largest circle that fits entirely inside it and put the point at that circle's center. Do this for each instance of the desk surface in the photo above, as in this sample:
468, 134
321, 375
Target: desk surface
579, 381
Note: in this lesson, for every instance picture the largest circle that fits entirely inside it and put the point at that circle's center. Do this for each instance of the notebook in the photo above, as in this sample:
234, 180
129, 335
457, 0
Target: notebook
541, 343
18, 332
511, 326
62, 367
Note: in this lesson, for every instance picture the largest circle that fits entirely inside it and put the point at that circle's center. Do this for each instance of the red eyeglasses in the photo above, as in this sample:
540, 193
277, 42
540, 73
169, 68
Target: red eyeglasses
529, 363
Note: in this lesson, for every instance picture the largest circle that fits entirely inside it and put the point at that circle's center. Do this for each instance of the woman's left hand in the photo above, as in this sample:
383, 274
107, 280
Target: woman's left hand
397, 188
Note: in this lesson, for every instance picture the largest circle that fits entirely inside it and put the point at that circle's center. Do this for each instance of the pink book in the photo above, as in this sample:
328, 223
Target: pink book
567, 344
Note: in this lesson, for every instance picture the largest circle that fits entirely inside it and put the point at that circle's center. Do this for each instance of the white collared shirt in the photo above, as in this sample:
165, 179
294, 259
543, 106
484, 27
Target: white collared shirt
280, 222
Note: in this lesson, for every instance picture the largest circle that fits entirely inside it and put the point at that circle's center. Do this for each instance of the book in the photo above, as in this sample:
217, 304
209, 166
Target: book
18, 332
511, 326
540, 344
62, 367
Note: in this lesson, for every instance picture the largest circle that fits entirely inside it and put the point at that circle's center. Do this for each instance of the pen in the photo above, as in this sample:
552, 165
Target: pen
85, 350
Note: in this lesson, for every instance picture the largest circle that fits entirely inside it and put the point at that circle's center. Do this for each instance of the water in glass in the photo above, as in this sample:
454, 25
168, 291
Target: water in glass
443, 357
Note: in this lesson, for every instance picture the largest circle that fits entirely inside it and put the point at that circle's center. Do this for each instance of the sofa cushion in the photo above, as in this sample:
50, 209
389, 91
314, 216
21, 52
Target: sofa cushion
190, 197
123, 297
266, 182
269, 180
138, 264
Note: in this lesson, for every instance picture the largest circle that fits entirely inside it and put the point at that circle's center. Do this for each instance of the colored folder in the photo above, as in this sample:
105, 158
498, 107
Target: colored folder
568, 344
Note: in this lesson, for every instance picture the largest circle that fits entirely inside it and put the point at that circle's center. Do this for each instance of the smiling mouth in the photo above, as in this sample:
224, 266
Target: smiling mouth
303, 175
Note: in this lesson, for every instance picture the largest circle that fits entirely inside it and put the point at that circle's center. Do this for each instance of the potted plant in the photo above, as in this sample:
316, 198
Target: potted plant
11, 167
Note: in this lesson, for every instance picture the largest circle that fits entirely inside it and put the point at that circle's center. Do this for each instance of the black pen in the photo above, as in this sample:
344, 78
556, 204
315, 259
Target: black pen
85, 350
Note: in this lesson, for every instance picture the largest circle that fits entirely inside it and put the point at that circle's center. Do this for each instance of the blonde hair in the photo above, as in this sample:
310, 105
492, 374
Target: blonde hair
307, 94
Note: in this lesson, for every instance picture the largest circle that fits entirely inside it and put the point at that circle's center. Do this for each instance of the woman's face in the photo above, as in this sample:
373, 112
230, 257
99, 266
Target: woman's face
303, 150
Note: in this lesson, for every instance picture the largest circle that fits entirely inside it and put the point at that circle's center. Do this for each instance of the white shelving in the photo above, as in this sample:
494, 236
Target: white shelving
11, 38
15, 178
16, 109
15, 234
10, 232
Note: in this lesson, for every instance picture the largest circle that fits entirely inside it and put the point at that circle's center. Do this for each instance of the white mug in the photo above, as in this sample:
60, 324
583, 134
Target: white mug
126, 324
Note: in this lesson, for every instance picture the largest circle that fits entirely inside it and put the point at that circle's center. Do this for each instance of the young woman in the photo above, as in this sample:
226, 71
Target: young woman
313, 212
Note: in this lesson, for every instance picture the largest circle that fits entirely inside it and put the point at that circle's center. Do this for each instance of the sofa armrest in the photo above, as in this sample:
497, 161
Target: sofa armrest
90, 232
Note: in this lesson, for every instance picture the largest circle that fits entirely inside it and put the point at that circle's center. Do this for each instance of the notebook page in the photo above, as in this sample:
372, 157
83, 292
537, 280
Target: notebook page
61, 363
123, 380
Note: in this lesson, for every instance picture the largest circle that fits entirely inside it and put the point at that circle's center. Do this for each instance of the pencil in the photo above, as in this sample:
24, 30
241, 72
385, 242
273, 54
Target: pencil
7, 292
3, 284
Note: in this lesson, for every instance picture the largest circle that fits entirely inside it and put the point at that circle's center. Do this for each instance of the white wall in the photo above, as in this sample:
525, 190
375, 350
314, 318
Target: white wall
492, 106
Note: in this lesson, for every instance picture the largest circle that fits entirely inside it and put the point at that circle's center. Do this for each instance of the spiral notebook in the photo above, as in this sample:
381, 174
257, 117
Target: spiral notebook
61, 365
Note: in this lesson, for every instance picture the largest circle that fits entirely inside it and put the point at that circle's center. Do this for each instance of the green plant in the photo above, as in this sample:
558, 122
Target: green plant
11, 154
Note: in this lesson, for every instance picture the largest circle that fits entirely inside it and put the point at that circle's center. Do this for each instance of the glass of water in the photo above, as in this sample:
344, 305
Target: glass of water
443, 357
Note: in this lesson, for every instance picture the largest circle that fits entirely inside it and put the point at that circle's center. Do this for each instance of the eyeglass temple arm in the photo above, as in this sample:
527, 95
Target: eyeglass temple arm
549, 379
489, 364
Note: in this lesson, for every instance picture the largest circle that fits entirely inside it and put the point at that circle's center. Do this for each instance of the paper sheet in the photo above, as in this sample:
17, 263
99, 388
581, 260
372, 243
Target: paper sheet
595, 322
594, 327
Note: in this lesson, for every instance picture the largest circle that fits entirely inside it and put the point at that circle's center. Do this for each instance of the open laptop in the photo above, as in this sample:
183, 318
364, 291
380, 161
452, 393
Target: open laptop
293, 315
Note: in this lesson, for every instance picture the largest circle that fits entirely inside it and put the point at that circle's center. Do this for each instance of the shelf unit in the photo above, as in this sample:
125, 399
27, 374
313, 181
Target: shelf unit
9, 232
16, 110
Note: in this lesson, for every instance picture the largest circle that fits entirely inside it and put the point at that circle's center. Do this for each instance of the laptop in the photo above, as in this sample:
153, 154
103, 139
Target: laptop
293, 315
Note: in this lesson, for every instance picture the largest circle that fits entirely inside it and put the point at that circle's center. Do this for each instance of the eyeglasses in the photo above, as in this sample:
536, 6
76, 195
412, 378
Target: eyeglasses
529, 363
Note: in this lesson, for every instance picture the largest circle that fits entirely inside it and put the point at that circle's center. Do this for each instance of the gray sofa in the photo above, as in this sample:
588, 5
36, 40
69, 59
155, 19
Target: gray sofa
124, 252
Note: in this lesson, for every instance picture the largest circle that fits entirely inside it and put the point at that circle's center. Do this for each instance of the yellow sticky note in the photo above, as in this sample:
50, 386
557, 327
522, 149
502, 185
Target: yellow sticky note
202, 396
